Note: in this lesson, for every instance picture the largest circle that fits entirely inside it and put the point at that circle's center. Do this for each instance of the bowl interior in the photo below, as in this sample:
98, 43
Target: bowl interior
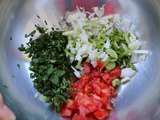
137, 100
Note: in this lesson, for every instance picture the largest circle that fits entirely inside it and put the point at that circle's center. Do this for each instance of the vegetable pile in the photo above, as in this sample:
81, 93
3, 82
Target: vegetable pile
49, 65
93, 93
79, 67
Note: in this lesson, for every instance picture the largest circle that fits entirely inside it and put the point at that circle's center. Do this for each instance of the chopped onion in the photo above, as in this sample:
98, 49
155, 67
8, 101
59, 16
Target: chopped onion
141, 52
128, 72
107, 44
76, 72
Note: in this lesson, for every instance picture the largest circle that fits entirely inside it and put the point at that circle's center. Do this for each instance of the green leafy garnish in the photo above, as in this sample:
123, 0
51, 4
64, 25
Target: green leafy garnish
49, 65
119, 43
110, 65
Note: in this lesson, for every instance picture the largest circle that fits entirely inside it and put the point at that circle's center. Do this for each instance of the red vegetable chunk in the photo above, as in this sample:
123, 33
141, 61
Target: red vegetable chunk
101, 114
65, 112
93, 93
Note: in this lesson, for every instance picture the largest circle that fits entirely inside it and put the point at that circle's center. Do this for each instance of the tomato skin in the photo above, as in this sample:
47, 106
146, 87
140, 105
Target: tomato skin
100, 64
97, 101
106, 92
101, 114
106, 77
96, 73
96, 89
78, 117
84, 80
102, 85
77, 85
116, 72
83, 110
65, 112
87, 89
91, 117
70, 104
92, 107
87, 68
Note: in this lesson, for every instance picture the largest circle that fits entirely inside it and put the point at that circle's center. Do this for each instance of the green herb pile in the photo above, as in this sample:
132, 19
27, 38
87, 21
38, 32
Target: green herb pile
49, 65
120, 45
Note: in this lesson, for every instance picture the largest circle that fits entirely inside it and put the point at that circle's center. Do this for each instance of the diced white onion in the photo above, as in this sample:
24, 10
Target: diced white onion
127, 72
141, 52
76, 72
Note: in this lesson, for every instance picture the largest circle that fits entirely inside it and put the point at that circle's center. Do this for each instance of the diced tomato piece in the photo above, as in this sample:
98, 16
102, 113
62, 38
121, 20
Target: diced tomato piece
83, 110
102, 85
96, 79
101, 114
96, 100
100, 64
106, 92
87, 89
106, 77
70, 104
78, 117
96, 88
65, 112
104, 99
87, 68
91, 117
116, 72
77, 85
85, 77
82, 100
105, 95
96, 73
92, 107
78, 97
84, 80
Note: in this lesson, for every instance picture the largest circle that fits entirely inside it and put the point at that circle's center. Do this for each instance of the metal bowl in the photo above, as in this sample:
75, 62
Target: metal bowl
137, 100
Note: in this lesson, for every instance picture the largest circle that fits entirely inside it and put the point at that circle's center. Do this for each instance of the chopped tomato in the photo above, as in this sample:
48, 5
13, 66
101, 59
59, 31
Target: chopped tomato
91, 99
82, 99
96, 73
87, 68
104, 99
88, 89
101, 114
79, 117
77, 85
102, 85
84, 80
106, 77
70, 104
65, 112
97, 101
116, 72
96, 88
91, 117
92, 107
100, 64
106, 92
83, 110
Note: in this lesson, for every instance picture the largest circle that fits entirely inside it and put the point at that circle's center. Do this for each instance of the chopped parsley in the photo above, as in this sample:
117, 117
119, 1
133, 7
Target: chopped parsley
49, 65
